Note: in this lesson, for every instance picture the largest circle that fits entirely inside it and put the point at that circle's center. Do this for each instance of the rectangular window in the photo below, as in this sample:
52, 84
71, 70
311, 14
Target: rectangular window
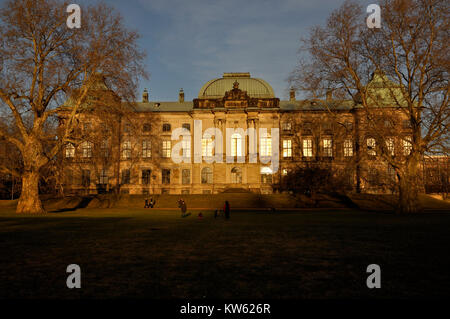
146, 175
104, 148
70, 151
126, 149
166, 149
266, 178
266, 146
85, 177
390, 146
327, 144
146, 128
186, 176
186, 148
87, 149
371, 146
187, 126
287, 148
407, 145
348, 148
236, 145
166, 127
103, 178
146, 149
207, 147
127, 128
307, 147
166, 176
125, 176
286, 126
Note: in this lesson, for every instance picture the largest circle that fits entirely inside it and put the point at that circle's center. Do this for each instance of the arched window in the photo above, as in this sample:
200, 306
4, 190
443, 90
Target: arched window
207, 175
236, 175
236, 145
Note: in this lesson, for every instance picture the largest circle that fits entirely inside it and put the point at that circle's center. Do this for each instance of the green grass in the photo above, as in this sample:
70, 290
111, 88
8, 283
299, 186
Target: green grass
156, 254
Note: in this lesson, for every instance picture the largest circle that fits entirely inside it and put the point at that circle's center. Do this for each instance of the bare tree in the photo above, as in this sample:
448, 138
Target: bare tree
43, 63
401, 68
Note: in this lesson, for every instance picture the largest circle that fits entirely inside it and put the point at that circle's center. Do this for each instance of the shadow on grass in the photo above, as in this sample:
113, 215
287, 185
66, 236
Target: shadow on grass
83, 203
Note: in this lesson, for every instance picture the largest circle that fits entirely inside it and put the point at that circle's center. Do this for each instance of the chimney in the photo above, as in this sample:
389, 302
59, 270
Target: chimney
329, 95
181, 96
145, 96
292, 94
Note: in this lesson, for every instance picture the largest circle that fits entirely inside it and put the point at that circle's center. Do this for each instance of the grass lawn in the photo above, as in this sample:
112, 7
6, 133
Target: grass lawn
157, 254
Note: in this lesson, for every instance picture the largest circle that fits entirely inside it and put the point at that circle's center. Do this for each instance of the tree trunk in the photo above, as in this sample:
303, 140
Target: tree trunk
409, 184
29, 201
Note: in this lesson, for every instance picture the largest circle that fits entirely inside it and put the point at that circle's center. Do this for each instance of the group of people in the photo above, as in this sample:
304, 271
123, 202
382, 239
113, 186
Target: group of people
149, 204
183, 207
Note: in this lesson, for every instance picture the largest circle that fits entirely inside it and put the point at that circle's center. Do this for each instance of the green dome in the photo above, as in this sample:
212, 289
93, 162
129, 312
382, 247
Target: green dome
256, 88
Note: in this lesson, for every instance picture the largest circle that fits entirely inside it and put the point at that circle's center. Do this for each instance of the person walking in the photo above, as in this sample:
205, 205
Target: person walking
183, 207
226, 209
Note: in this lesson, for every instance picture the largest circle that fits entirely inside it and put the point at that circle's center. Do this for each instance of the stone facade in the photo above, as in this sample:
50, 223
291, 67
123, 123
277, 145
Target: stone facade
135, 148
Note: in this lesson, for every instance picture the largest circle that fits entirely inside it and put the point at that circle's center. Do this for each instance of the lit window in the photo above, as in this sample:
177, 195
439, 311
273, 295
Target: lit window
266, 145
86, 148
407, 145
186, 148
371, 144
146, 149
286, 126
126, 149
166, 149
207, 147
287, 148
390, 146
348, 148
307, 147
284, 172
70, 151
327, 147
236, 145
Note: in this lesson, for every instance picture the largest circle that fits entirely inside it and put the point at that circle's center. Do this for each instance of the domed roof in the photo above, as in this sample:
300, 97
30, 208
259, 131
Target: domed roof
256, 88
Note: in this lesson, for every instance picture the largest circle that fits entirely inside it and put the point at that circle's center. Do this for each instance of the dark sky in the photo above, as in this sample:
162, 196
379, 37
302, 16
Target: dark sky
190, 42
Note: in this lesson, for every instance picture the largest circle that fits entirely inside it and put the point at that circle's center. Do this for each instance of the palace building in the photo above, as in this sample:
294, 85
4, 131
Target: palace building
133, 152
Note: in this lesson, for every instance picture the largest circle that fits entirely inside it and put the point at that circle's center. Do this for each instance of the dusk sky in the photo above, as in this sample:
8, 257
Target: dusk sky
190, 42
